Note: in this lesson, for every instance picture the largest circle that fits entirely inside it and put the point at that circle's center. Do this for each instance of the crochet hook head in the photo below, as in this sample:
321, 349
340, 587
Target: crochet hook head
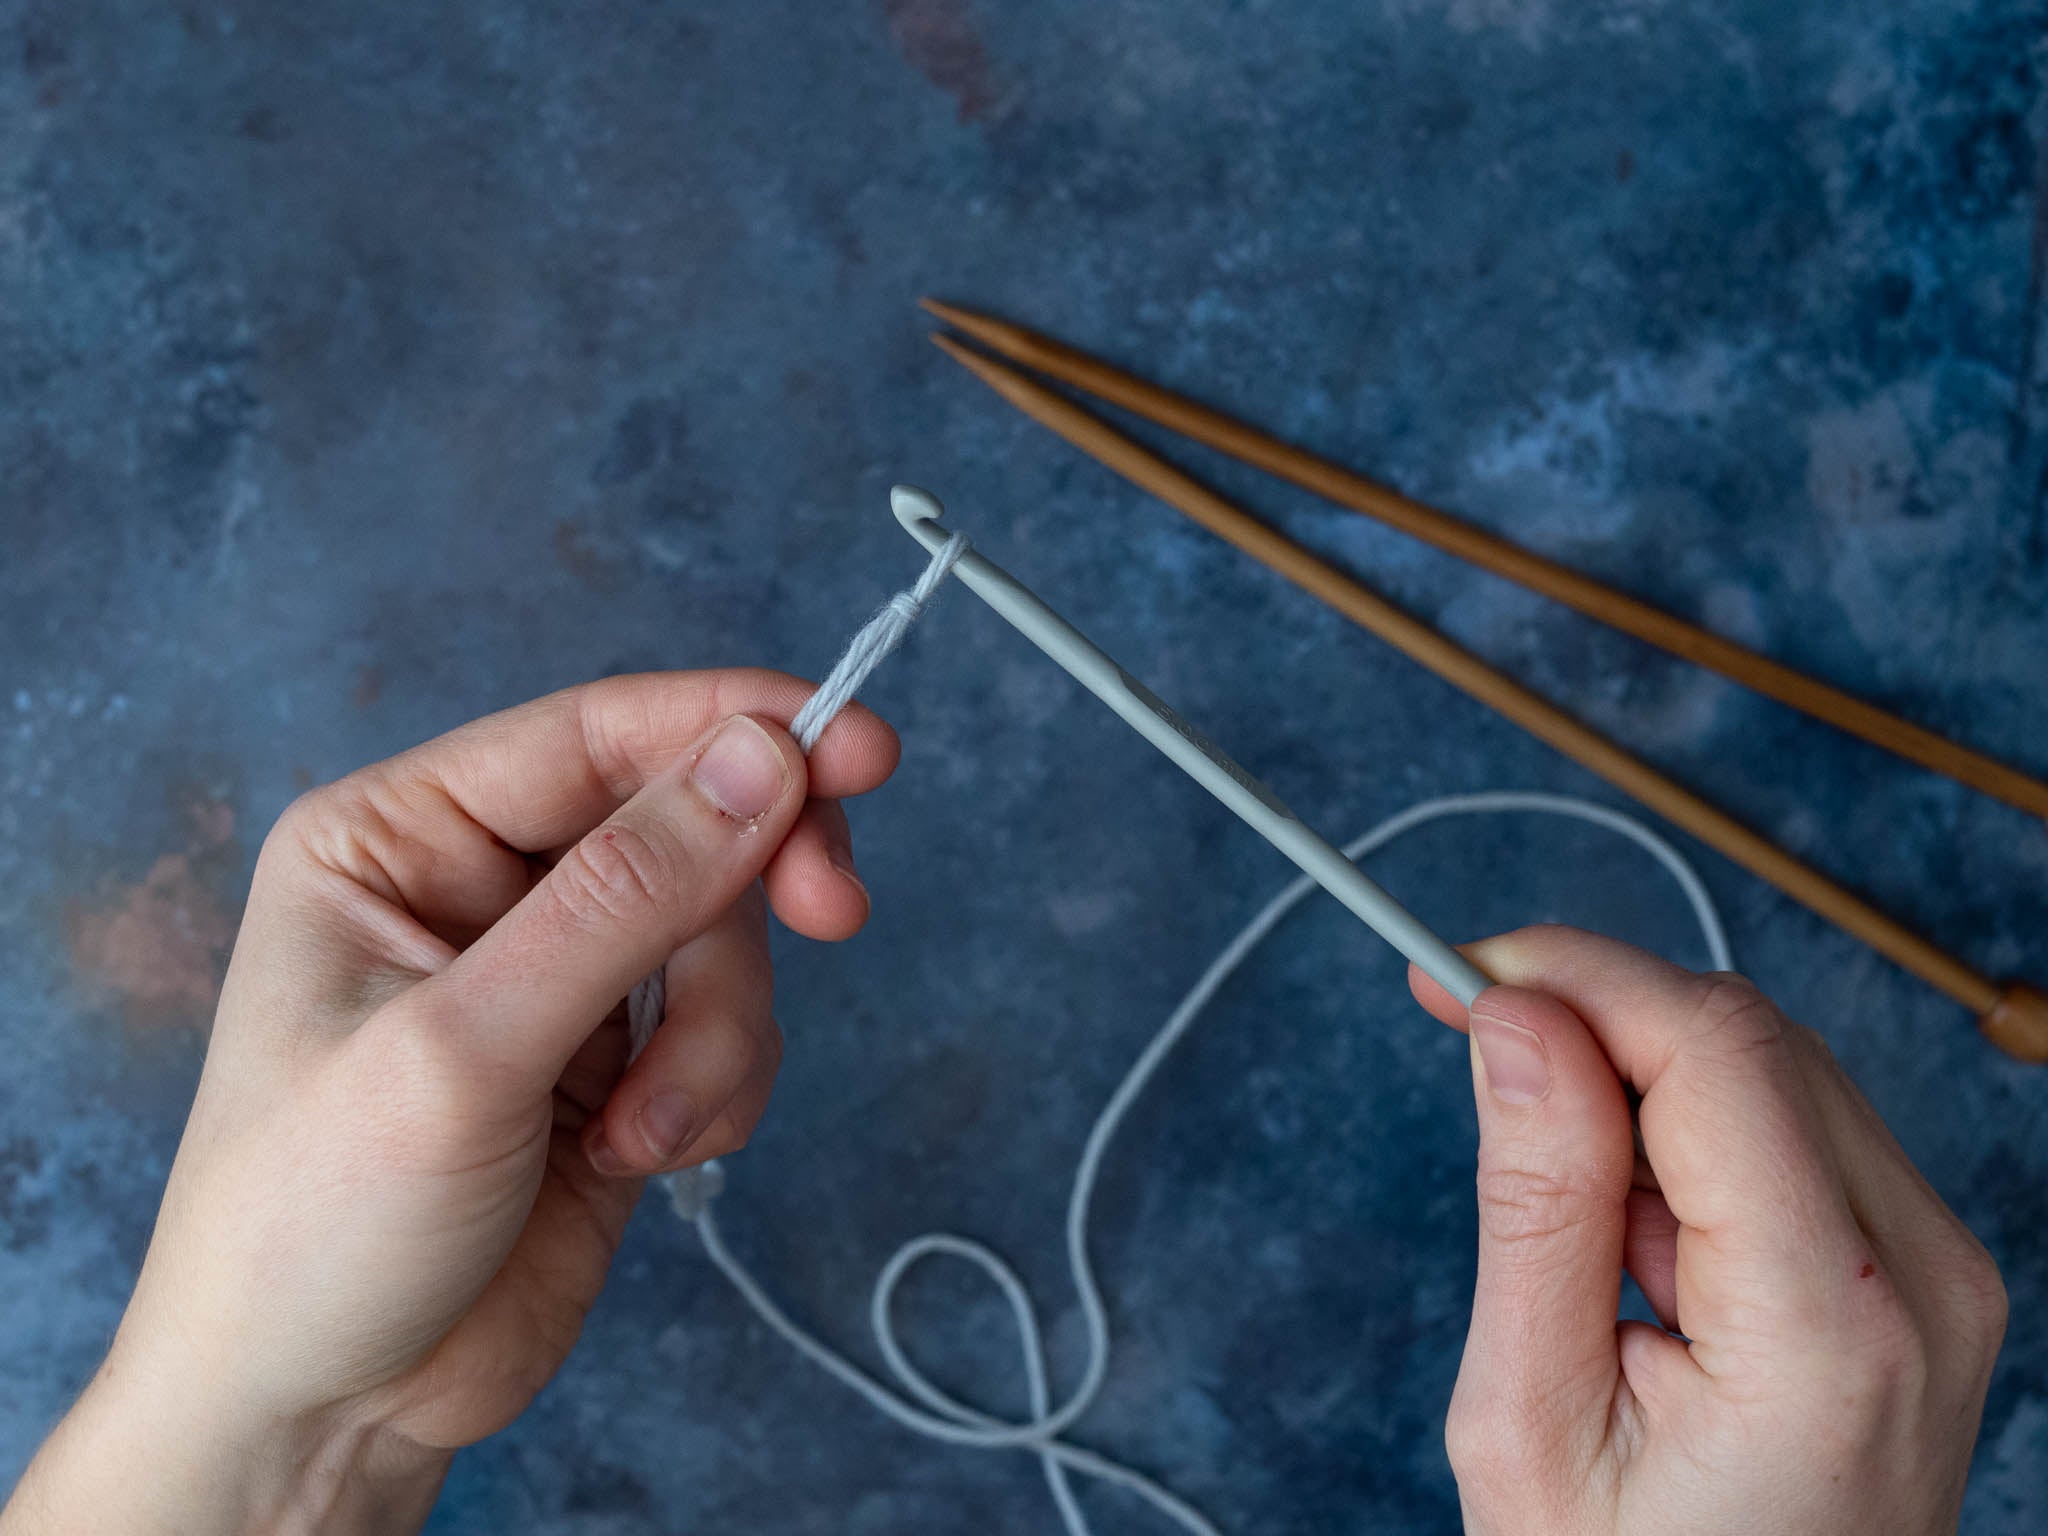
918, 511
1146, 713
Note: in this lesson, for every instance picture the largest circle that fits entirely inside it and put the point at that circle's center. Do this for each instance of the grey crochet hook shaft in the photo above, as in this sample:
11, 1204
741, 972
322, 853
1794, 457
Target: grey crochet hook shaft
1147, 714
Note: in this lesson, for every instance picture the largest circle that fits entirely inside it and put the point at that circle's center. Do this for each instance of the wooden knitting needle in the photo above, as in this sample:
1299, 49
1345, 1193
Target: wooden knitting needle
1489, 551
2015, 1017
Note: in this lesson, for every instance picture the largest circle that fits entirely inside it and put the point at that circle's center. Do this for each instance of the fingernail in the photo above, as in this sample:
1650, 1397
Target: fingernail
741, 772
666, 1121
599, 1150
1517, 1071
842, 860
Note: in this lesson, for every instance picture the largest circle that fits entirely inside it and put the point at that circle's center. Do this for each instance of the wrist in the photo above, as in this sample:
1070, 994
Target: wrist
144, 1452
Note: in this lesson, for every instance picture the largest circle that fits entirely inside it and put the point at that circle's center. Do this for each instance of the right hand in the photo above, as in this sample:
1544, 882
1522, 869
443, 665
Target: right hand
1829, 1325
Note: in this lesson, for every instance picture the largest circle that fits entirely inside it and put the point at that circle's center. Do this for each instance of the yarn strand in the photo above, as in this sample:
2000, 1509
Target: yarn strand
868, 649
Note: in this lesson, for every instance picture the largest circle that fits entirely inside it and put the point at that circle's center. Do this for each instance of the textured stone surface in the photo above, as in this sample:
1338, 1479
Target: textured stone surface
367, 367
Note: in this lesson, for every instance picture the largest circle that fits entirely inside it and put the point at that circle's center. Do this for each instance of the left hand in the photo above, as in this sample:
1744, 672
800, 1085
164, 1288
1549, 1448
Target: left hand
416, 1139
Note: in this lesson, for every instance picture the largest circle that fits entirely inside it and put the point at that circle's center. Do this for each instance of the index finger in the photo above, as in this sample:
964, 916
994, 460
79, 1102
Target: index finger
540, 775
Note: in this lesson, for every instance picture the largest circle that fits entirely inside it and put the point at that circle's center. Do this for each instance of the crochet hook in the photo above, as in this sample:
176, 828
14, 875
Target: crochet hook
1201, 759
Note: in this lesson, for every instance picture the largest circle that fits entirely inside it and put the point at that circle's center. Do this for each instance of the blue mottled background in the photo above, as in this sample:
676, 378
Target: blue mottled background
365, 367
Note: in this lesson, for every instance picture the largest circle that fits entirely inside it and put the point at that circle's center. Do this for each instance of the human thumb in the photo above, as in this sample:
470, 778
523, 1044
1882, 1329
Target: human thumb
1556, 1156
659, 871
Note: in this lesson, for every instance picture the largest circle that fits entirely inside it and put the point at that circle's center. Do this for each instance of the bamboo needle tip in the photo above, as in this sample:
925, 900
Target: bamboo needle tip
946, 312
1003, 337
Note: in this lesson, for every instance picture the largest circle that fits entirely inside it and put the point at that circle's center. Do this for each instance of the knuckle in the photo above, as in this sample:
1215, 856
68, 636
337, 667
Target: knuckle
1466, 1443
1527, 1205
303, 813
1989, 1296
1975, 1296
350, 826
1733, 1014
319, 818
617, 874
1485, 1446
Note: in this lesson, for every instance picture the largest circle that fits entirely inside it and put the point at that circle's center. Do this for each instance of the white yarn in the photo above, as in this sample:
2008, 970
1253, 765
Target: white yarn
877, 638
935, 1413
645, 1006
